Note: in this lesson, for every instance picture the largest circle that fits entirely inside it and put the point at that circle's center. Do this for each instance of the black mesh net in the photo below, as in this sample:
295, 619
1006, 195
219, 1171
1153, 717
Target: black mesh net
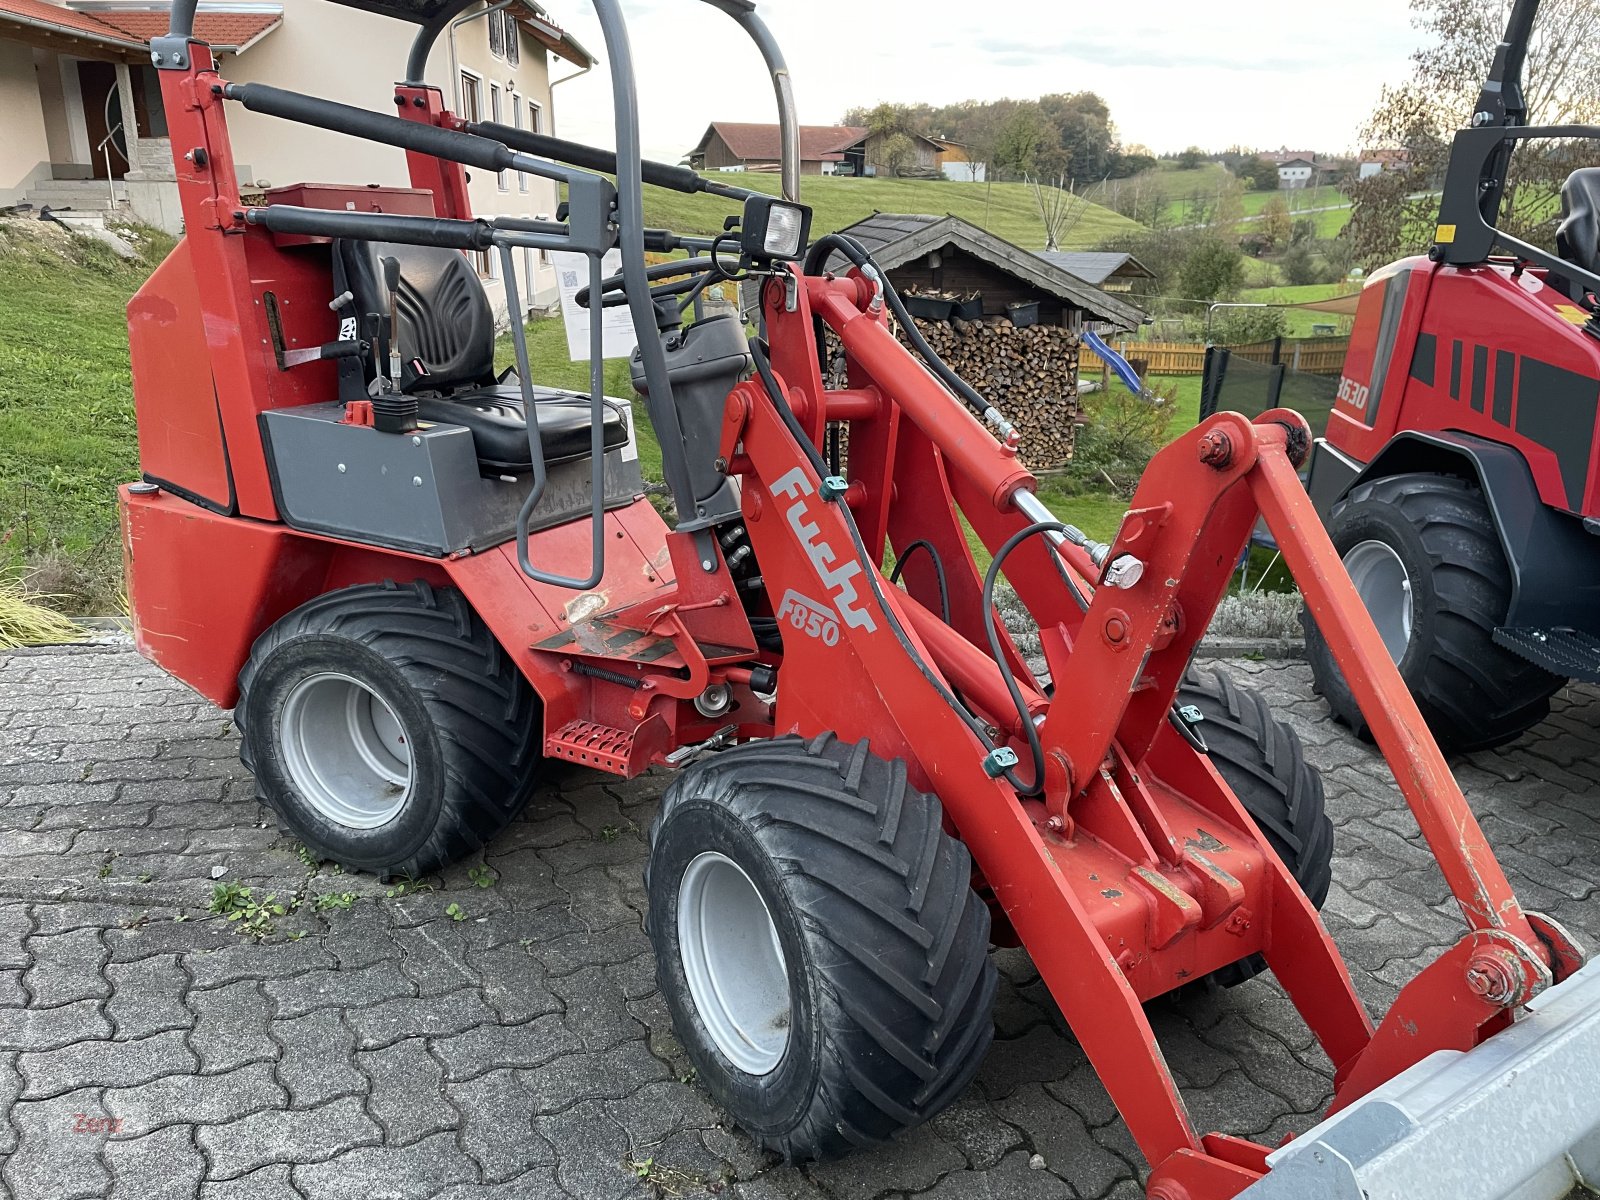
1237, 382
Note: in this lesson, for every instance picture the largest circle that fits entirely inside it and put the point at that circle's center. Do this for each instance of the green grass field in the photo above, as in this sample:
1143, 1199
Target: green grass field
1008, 210
66, 403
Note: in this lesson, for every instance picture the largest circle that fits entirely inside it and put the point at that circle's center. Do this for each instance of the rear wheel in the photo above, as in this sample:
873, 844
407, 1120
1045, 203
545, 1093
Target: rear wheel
1262, 760
1425, 559
818, 943
387, 729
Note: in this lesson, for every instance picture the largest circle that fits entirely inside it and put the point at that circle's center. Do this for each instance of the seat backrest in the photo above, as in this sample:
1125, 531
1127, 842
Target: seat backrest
445, 318
1578, 236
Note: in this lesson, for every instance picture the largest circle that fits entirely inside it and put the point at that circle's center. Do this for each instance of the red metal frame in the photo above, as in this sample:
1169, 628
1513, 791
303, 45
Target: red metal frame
1137, 871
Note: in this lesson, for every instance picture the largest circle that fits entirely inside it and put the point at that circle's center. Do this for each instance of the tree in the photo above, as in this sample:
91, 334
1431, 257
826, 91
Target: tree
1191, 158
1212, 270
1024, 133
1300, 266
895, 152
1275, 225
1421, 113
1084, 134
1259, 174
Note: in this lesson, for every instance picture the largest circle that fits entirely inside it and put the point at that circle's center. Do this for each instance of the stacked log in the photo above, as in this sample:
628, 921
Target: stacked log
1030, 375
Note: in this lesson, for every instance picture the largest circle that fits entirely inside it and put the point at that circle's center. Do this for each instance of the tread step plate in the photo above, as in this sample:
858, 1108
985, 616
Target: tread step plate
593, 745
1568, 652
1515, 1118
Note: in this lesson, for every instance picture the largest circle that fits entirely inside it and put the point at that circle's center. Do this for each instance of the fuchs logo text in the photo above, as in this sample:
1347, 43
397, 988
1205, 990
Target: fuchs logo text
838, 576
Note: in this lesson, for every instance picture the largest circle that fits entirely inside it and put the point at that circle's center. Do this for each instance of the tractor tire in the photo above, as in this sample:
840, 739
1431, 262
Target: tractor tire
818, 943
1423, 552
1261, 759
387, 729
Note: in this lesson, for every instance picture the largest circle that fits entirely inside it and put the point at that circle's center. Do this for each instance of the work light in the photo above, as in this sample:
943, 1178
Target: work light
774, 228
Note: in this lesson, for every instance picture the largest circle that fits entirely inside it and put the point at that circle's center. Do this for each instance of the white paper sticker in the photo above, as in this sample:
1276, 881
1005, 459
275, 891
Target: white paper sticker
616, 325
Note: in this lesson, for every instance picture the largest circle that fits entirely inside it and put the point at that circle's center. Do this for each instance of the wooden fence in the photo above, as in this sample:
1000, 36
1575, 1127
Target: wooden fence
1310, 356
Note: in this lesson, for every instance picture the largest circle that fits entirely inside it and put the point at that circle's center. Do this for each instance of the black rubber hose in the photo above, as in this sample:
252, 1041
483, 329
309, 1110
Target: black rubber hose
374, 227
938, 569
993, 633
858, 254
375, 127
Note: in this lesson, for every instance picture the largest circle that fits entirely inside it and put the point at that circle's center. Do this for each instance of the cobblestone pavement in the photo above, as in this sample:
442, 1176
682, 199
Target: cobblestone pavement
473, 1041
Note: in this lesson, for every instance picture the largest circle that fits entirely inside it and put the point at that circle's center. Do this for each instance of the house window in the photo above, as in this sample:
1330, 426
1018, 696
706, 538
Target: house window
497, 34
512, 37
516, 119
497, 115
503, 41
471, 97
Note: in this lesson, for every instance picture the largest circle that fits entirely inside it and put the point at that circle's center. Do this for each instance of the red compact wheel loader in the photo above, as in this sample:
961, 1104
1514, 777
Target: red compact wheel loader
1458, 476
418, 579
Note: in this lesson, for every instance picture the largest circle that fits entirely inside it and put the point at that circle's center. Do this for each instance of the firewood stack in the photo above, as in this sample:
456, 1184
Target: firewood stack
1030, 375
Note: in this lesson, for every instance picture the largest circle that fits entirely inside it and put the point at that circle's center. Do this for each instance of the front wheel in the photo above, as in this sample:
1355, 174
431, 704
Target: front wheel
387, 728
1425, 559
818, 943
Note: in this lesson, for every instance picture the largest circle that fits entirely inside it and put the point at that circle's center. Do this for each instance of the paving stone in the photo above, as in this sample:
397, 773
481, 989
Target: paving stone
360, 987
147, 997
914, 1161
608, 1074
407, 1093
497, 1125
244, 959
1038, 1056
66, 967
398, 1174
513, 983
269, 1183
433, 957
594, 1154
490, 1045
1059, 1134
104, 1064
231, 1027
317, 1063
58, 1150
359, 937
299, 1136
196, 1099
14, 929
164, 1165
1012, 1179
10, 1089
435, 1016
52, 1028
977, 1130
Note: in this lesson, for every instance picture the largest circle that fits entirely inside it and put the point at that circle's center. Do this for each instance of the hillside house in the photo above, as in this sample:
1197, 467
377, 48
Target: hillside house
824, 150
957, 162
1296, 173
86, 130
1376, 162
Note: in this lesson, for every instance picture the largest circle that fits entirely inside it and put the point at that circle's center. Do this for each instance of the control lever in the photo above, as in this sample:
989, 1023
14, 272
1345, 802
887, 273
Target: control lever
391, 284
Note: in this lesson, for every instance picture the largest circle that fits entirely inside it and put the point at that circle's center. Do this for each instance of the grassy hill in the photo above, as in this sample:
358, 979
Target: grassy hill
1008, 210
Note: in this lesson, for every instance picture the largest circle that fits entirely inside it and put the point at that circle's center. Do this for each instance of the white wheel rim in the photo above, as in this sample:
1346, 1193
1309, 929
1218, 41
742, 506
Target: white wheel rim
734, 963
1385, 588
346, 751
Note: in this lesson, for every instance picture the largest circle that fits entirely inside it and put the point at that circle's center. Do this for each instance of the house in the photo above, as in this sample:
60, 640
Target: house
824, 150
923, 252
739, 146
1109, 270
1376, 162
86, 129
1295, 173
957, 163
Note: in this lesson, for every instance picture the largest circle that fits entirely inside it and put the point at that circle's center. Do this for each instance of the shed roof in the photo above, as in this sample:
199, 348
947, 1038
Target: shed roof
759, 143
1097, 266
225, 31
894, 239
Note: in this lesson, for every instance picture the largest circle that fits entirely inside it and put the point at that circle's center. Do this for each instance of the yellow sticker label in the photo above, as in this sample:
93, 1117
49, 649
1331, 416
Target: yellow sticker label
1445, 234
1573, 313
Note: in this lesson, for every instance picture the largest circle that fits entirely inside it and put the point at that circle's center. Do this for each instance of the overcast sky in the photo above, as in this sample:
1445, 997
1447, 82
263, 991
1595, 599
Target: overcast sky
1175, 72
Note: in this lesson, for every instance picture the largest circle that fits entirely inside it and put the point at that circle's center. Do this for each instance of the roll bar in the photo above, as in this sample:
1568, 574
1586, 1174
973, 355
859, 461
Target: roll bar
593, 205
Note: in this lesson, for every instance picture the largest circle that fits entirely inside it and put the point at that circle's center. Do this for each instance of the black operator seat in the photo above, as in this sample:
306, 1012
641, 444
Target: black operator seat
1578, 236
446, 324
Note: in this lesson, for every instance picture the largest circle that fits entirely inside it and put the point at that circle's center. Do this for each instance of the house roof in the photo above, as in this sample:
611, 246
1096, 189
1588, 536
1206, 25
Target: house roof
1097, 266
894, 239
759, 143
551, 36
121, 32
225, 32
1296, 162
